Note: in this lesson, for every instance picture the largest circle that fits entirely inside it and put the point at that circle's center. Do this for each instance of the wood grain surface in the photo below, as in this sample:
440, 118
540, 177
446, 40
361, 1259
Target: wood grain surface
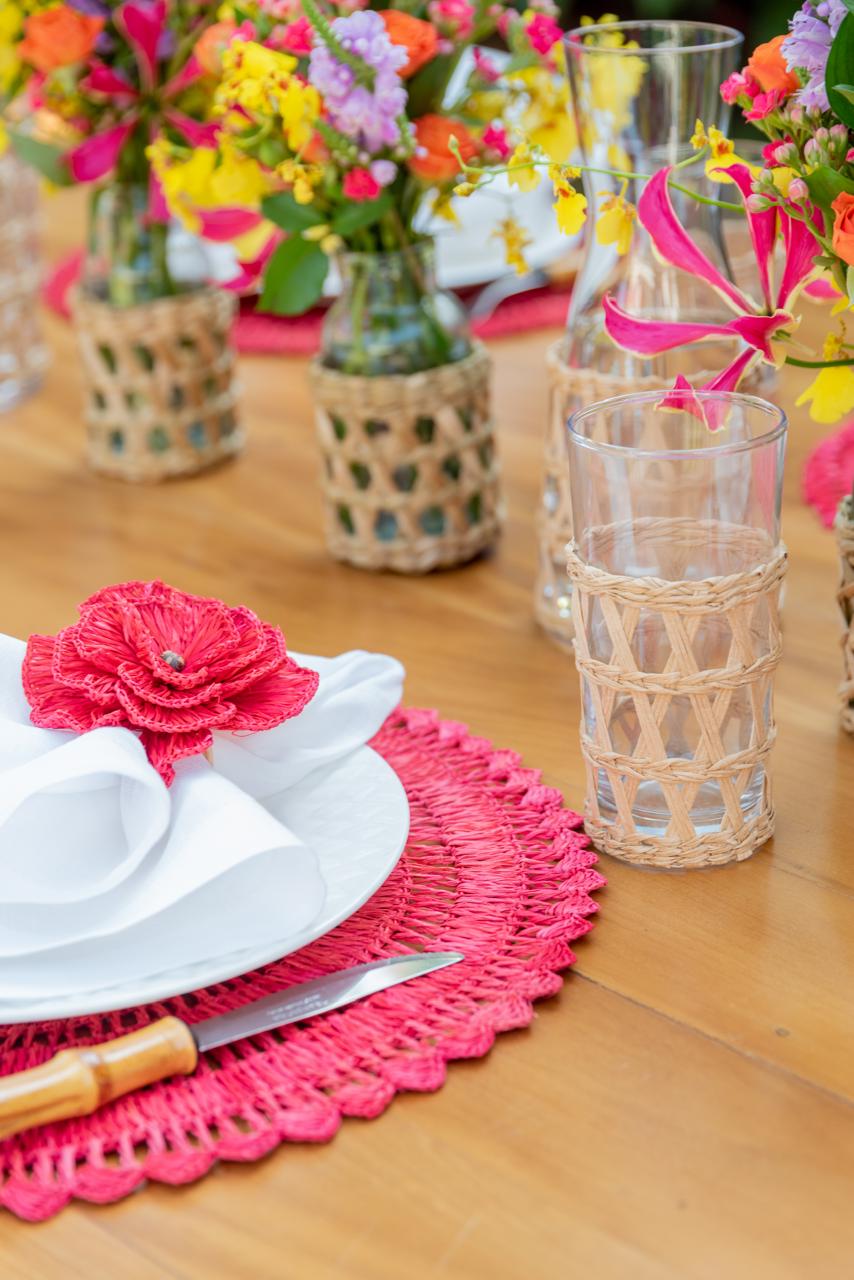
684, 1107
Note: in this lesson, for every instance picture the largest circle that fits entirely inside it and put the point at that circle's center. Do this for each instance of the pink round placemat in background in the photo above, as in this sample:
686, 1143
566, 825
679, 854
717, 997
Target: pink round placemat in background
495, 867
259, 334
829, 473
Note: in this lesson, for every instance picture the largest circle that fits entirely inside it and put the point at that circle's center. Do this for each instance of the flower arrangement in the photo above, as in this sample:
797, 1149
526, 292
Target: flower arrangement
101, 82
340, 124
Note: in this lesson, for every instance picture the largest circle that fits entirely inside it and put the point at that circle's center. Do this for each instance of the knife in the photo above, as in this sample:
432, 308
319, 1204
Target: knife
77, 1081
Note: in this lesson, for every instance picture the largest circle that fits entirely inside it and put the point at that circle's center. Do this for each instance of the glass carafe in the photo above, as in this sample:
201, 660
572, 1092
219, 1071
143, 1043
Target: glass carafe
637, 90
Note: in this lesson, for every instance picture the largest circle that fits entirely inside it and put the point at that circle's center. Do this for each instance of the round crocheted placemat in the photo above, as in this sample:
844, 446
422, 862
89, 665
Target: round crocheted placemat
256, 333
829, 473
495, 867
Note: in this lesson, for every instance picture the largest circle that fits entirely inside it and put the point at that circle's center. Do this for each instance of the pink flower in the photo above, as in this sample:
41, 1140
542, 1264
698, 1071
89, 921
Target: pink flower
485, 67
453, 17
169, 665
764, 104
360, 184
738, 84
295, 38
495, 139
543, 33
755, 328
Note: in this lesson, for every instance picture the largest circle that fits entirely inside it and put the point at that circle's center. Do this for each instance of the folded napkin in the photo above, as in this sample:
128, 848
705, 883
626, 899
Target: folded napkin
106, 874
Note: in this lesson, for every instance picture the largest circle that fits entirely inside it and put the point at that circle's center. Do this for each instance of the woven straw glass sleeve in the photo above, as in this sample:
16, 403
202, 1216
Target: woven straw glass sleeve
23, 355
845, 539
160, 387
676, 569
410, 477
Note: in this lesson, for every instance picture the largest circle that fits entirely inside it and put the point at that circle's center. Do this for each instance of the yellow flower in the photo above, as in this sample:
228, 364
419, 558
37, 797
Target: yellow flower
302, 178
515, 240
4, 138
207, 179
443, 208
722, 153
831, 393
570, 205
11, 21
547, 120
261, 81
521, 171
616, 221
782, 177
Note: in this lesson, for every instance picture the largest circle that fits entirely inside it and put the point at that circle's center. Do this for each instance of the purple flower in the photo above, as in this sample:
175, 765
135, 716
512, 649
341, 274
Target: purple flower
367, 113
92, 8
813, 28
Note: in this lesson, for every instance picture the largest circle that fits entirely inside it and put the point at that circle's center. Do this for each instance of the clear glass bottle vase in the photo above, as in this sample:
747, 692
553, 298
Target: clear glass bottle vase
23, 355
391, 317
637, 90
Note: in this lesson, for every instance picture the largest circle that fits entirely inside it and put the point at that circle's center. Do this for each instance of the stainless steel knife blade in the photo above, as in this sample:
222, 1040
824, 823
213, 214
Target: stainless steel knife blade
320, 995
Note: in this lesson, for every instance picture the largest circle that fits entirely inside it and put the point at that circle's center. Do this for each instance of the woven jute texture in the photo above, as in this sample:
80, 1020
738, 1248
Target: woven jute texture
569, 389
845, 539
495, 867
743, 608
410, 475
161, 393
23, 355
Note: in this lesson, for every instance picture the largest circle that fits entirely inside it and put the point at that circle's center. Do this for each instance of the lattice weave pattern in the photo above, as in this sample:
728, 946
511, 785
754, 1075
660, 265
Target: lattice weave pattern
612, 611
569, 389
161, 392
495, 867
845, 540
410, 479
23, 356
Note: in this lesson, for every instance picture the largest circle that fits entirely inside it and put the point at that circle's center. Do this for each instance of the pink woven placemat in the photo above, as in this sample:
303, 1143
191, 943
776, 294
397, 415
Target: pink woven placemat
259, 334
829, 473
495, 867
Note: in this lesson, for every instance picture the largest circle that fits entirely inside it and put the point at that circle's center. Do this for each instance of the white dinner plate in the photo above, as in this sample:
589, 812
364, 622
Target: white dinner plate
354, 814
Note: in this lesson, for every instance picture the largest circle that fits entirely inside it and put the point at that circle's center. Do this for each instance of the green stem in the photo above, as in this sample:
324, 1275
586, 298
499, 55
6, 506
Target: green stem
818, 364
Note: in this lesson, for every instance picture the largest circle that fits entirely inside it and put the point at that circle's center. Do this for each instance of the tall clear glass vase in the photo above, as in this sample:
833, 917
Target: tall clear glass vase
23, 355
637, 90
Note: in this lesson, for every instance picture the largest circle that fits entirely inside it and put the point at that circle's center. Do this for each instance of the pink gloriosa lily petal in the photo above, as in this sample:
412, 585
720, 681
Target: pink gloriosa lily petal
682, 398
102, 79
158, 209
197, 134
801, 251
97, 156
143, 25
673, 244
654, 337
189, 74
762, 227
227, 224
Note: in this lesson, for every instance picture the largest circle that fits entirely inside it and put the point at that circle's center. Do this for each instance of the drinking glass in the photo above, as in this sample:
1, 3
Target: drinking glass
676, 566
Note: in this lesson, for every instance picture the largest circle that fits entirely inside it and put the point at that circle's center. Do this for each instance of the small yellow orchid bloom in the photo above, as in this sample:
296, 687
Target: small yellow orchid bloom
516, 240
831, 394
616, 222
521, 172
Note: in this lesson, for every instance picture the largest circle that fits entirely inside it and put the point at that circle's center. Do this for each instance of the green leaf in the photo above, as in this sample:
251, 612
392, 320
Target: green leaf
849, 5
48, 160
293, 280
825, 184
283, 210
357, 216
840, 63
847, 90
849, 283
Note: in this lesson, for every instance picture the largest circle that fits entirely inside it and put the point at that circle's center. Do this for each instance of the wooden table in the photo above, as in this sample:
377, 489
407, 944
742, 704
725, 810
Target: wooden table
685, 1107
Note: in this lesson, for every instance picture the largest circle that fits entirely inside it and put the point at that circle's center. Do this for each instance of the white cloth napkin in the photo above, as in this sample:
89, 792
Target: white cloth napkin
106, 874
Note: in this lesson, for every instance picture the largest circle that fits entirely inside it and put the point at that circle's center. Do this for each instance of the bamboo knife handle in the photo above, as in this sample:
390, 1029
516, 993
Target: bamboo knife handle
77, 1081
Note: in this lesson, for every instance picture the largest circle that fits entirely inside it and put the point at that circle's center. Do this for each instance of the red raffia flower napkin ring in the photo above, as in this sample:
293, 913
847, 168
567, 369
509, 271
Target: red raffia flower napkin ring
170, 665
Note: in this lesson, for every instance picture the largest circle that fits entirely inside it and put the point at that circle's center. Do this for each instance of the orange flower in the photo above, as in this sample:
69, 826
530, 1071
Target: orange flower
434, 134
843, 227
211, 44
768, 67
57, 37
415, 35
